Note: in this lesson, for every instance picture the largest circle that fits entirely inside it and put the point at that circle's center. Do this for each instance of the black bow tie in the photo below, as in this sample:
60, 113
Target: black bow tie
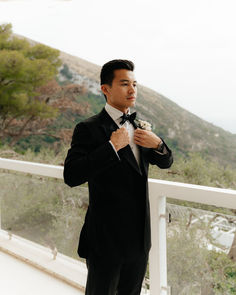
127, 117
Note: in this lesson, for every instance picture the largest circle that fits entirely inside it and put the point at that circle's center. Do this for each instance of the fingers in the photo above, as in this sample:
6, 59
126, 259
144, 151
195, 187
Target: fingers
121, 134
140, 134
138, 140
121, 130
139, 137
145, 138
140, 131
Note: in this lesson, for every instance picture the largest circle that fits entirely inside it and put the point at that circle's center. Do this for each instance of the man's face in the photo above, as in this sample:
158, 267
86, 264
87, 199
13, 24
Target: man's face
123, 91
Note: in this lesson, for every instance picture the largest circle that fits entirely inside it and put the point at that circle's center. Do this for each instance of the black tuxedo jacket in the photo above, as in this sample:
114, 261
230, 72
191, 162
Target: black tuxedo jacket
117, 222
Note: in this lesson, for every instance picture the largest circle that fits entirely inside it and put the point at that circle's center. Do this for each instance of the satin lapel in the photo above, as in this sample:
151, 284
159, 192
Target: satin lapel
108, 125
142, 164
127, 153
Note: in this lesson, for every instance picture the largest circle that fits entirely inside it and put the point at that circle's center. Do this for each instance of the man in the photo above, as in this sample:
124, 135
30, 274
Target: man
110, 153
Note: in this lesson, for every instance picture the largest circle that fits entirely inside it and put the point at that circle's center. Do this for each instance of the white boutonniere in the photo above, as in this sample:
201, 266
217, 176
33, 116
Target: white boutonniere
144, 125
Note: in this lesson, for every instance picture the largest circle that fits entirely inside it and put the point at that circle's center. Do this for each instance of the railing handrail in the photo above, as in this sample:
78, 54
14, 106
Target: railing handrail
184, 191
213, 196
32, 168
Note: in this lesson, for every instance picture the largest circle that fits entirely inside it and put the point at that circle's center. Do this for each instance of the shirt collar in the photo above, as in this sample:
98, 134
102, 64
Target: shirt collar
114, 113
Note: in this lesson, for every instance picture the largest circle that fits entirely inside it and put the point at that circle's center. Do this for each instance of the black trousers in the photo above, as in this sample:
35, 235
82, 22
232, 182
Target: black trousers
107, 277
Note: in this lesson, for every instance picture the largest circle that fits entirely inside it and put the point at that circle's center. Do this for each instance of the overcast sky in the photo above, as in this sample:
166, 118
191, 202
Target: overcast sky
185, 49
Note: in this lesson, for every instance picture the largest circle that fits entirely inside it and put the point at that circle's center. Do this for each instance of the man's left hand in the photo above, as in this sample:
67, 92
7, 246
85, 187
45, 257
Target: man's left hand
146, 138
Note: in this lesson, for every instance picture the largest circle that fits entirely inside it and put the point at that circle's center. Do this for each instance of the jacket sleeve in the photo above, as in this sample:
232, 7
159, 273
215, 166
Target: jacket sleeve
162, 160
84, 159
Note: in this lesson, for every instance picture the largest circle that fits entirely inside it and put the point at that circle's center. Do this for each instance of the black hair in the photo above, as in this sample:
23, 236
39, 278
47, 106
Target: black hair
107, 71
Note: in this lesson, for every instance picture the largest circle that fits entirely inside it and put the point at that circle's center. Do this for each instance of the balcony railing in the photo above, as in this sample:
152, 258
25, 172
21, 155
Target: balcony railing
159, 190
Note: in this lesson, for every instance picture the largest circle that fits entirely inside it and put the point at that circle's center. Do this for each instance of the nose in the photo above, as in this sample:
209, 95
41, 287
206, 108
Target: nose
132, 89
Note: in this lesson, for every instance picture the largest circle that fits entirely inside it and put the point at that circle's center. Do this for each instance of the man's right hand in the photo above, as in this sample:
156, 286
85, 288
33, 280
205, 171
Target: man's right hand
120, 138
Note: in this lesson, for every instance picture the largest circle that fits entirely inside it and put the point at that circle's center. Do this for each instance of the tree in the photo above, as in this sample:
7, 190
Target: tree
24, 68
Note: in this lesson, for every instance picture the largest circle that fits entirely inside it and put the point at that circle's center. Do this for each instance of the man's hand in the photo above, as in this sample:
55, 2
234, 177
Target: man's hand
120, 138
146, 138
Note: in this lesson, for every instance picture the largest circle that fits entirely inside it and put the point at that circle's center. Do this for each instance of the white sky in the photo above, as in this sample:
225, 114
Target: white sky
183, 49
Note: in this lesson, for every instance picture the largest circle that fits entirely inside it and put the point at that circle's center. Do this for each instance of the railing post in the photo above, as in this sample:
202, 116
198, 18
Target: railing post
158, 253
0, 212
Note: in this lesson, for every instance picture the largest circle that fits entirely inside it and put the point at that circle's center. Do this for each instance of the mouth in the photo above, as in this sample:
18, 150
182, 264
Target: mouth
131, 98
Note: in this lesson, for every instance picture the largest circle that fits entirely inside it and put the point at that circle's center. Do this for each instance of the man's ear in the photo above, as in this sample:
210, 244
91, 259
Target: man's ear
105, 89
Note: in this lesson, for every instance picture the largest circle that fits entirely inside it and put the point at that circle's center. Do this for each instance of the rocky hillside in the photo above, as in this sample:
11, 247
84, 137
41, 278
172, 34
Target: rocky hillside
184, 131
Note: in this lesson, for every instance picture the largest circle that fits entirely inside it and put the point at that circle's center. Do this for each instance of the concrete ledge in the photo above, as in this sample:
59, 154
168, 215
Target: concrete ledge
64, 268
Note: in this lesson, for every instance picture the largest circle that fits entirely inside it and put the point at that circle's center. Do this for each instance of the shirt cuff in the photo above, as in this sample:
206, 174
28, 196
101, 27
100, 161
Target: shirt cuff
114, 149
164, 151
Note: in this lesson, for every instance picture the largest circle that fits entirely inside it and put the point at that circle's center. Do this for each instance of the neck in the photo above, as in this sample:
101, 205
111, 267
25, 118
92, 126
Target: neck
122, 109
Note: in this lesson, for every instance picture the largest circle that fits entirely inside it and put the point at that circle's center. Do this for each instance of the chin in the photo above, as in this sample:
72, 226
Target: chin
132, 103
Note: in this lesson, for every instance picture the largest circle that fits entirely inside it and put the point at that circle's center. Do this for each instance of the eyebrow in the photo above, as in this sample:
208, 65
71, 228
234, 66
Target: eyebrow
125, 80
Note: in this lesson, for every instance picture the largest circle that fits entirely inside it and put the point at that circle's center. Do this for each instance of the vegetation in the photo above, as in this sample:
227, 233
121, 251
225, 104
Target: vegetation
192, 268
196, 169
33, 105
37, 117
24, 68
47, 211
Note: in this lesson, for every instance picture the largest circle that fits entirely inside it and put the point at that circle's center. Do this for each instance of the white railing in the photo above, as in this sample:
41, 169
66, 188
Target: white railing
158, 191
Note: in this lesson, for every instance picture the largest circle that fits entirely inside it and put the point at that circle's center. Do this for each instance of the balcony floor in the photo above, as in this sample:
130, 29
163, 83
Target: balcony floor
19, 278
28, 268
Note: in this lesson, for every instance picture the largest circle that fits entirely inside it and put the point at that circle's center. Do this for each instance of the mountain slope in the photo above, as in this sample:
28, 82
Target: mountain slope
184, 131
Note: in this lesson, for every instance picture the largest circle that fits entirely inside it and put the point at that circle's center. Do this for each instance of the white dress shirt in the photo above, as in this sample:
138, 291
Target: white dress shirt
115, 114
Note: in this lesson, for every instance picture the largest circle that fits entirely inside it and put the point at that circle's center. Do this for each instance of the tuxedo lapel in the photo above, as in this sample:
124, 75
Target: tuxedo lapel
109, 126
107, 123
143, 166
127, 153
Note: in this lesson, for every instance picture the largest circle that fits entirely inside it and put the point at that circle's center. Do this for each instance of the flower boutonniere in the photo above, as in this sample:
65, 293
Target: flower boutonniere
143, 125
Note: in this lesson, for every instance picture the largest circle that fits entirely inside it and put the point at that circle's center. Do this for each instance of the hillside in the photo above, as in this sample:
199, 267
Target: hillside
182, 130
